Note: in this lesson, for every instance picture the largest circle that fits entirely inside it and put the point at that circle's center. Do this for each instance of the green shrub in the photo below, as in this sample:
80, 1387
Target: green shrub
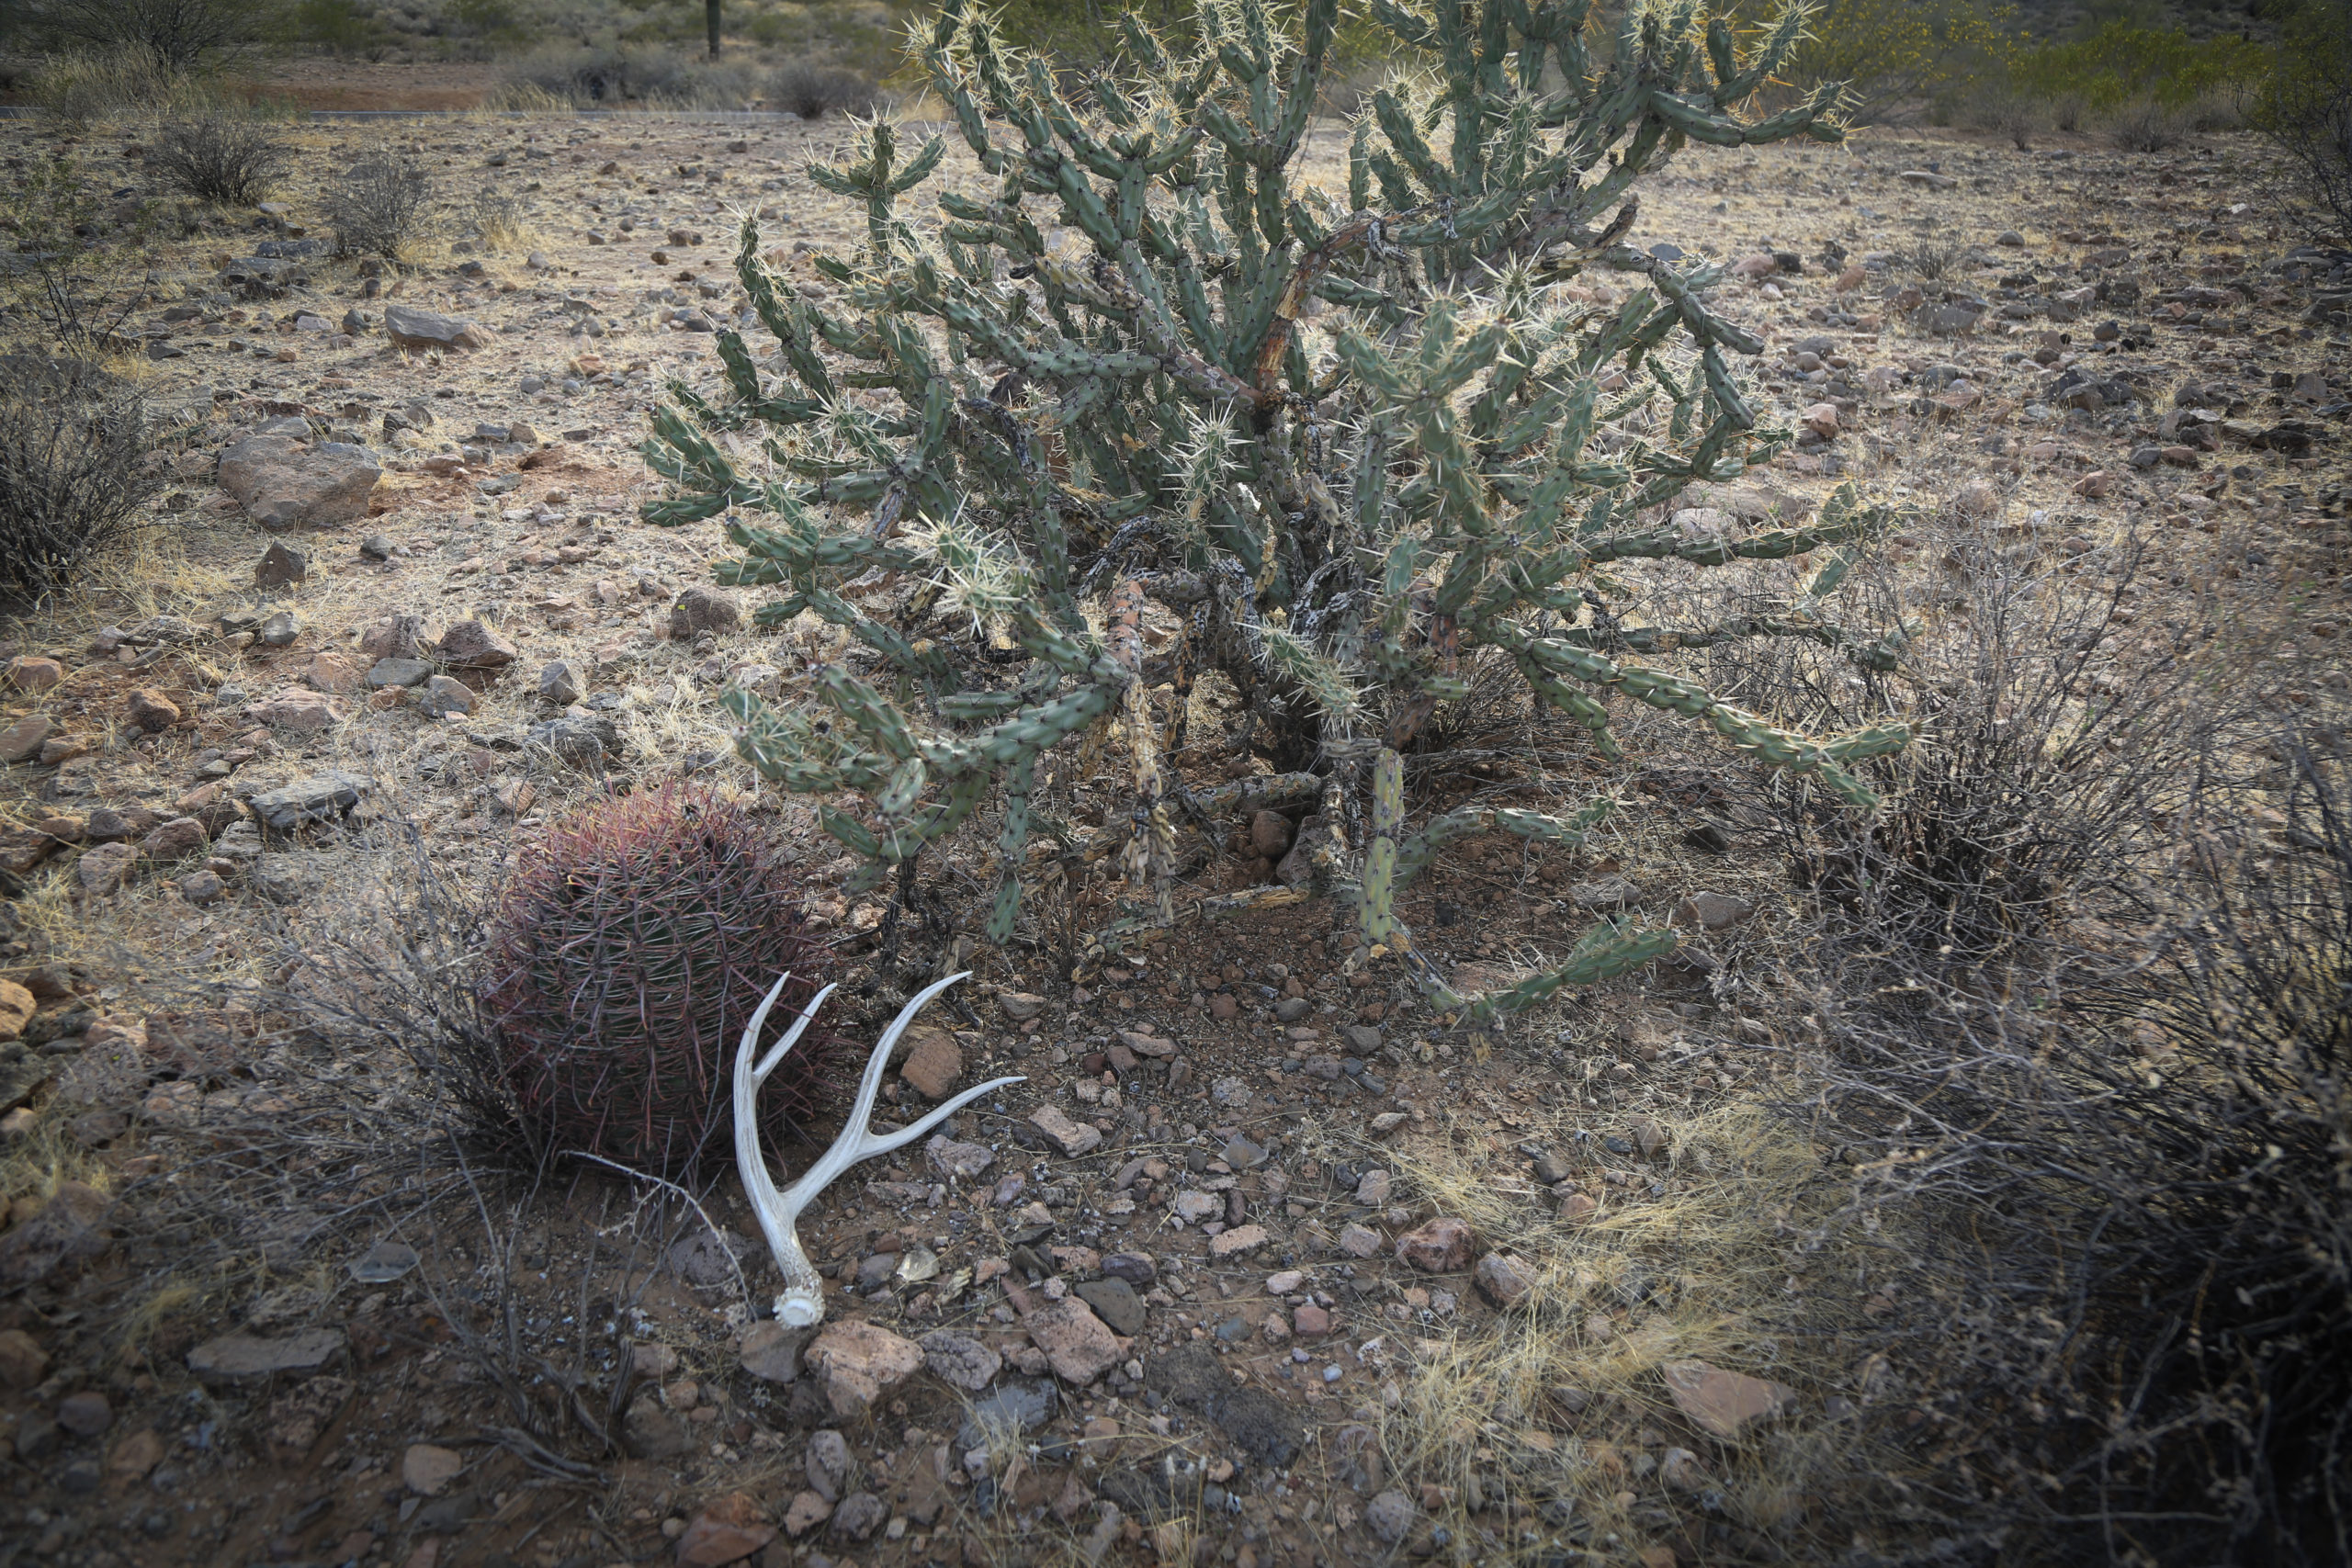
1458, 474
2304, 108
2122, 67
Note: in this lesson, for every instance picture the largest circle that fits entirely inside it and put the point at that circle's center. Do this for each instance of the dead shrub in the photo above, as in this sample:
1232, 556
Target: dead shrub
220, 157
73, 474
810, 90
378, 205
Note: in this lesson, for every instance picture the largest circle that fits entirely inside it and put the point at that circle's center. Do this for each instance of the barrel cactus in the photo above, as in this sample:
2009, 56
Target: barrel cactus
628, 948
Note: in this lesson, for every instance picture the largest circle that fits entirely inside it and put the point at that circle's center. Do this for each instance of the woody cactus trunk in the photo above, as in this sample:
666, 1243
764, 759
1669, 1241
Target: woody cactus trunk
1354, 440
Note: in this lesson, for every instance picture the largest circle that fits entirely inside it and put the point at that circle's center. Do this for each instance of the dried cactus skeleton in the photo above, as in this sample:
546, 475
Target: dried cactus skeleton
1463, 460
802, 1301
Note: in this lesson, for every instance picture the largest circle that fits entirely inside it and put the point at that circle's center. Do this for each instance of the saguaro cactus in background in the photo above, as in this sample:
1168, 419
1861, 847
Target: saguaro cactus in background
1355, 440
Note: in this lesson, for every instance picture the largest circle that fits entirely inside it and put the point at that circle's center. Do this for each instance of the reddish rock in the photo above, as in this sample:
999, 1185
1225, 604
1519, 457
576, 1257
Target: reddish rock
1269, 835
806, 1512
32, 674
302, 712
1073, 1138
22, 741
86, 1414
469, 645
171, 840
859, 1361
1502, 1280
17, 1005
1310, 1320
727, 1529
934, 1066
23, 1363
1441, 1246
1722, 1403
1822, 419
1078, 1346
151, 711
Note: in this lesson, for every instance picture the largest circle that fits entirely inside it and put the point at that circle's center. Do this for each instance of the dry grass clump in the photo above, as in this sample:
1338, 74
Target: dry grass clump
231, 159
1551, 1428
73, 478
378, 205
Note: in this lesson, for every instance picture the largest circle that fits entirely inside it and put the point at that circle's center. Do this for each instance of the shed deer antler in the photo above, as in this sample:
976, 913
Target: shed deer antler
803, 1301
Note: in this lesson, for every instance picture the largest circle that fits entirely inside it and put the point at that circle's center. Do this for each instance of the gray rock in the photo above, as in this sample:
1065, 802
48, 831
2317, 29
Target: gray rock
1115, 1303
1015, 1408
1136, 1267
703, 610
399, 672
582, 742
1315, 836
1290, 1009
423, 329
312, 799
375, 546
287, 878
243, 1358
859, 1516
470, 645
280, 630
280, 568
1363, 1039
652, 1433
283, 485
1714, 911
827, 1463
445, 695
772, 1351
559, 685
959, 1359
705, 1259
1391, 1515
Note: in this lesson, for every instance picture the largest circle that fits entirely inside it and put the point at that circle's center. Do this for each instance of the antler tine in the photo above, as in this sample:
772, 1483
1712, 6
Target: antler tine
791, 1036
803, 1299
851, 1145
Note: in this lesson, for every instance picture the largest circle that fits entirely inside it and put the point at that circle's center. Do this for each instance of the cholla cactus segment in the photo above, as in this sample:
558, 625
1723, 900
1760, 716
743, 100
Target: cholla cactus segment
1128, 354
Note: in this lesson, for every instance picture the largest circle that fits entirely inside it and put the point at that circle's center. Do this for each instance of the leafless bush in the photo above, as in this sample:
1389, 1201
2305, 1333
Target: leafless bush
2148, 126
219, 157
810, 90
73, 473
1932, 260
378, 205
2306, 113
2013, 114
2124, 1186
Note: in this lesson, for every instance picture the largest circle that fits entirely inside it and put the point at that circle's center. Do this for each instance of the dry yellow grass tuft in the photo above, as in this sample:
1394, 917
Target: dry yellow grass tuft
1553, 1421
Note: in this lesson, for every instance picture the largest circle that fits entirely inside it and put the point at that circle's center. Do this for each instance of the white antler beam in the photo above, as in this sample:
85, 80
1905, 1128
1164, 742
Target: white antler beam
803, 1301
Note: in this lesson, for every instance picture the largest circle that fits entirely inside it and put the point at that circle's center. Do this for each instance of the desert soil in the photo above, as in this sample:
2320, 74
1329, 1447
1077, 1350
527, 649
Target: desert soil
1192, 1299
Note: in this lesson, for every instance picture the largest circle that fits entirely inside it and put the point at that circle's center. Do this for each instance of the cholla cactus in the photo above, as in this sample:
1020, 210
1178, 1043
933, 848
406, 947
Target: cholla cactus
1355, 440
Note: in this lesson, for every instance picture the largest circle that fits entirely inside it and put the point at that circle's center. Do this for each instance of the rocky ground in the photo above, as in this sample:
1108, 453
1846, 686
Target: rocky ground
1177, 1294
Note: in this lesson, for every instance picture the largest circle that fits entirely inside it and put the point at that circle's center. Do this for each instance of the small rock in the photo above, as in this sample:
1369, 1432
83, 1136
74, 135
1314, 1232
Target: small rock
1311, 1321
202, 887
559, 685
703, 610
859, 1361
470, 645
1136, 1267
727, 1529
1681, 1471
807, 1510
423, 329
1502, 1280
582, 742
23, 740
282, 482
1722, 1403
934, 1066
1115, 1303
1714, 911
1078, 1345
238, 1358
312, 799
101, 869
280, 630
375, 546
427, 1469
1269, 835
1822, 419
1374, 1186
179, 837
1020, 1005
152, 711
1073, 1138
17, 1005
826, 1463
393, 672
1649, 1135
28, 673
1359, 1241
965, 1160
1239, 1239
1314, 837
301, 712
85, 1414
1391, 1515
771, 1352
1441, 1246
858, 1515
960, 1360
445, 695
1575, 1208
280, 568
394, 637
